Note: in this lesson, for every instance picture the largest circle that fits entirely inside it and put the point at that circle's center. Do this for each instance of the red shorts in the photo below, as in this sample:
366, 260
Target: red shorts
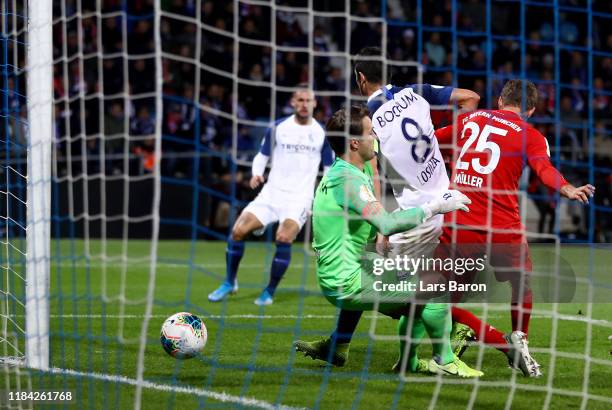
508, 253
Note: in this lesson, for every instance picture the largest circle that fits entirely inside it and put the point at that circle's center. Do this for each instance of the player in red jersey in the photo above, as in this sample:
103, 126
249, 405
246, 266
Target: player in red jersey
493, 148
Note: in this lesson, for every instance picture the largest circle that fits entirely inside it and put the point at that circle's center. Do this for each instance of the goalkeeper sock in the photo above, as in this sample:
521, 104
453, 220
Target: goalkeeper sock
484, 332
416, 335
233, 255
347, 323
280, 263
437, 320
521, 312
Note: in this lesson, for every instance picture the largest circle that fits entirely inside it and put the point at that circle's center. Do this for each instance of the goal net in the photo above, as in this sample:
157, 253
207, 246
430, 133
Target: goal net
128, 131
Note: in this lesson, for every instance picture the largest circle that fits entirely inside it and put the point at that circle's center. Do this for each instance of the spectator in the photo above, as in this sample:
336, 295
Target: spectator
142, 77
77, 55
363, 34
143, 124
335, 80
436, 54
114, 133
601, 101
568, 112
113, 77
140, 40
112, 41
406, 48
473, 15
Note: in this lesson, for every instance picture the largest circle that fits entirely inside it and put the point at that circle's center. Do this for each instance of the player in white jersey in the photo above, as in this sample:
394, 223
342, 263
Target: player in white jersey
297, 146
401, 119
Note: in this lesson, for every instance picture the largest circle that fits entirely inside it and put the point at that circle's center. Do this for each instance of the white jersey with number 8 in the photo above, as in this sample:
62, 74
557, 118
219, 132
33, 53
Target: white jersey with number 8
402, 121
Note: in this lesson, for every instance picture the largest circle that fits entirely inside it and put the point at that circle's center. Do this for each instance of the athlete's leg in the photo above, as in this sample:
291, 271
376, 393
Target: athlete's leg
247, 222
335, 348
461, 242
521, 307
435, 319
285, 235
292, 216
408, 348
522, 297
485, 333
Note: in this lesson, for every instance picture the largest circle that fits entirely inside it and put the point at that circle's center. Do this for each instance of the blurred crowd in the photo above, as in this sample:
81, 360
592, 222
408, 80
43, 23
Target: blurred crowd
104, 76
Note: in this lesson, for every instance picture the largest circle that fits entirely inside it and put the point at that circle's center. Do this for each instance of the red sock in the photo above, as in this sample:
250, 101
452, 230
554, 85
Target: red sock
484, 331
521, 312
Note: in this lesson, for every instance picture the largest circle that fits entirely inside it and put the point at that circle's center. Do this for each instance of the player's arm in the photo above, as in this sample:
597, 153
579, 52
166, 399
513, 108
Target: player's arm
580, 194
327, 156
467, 100
376, 178
261, 160
538, 157
382, 241
444, 135
553, 179
359, 198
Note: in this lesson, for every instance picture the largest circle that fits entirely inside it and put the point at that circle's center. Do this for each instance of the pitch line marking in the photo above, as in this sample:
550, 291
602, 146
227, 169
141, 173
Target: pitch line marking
223, 397
602, 322
145, 265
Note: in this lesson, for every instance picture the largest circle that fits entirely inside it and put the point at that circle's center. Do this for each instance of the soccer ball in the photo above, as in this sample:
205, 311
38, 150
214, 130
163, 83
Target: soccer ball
183, 335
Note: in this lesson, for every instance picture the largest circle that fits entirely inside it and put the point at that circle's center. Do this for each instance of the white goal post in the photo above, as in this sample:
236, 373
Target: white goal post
40, 134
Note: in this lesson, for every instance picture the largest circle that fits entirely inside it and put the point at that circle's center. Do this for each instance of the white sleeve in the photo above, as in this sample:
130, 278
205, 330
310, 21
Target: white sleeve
259, 164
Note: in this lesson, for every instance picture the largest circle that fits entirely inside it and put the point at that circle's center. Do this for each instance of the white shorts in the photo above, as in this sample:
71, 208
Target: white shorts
273, 205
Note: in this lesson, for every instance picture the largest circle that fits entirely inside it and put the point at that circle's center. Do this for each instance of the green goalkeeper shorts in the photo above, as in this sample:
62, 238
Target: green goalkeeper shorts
387, 291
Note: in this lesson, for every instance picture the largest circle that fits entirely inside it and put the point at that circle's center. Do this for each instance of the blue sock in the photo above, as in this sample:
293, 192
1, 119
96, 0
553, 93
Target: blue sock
280, 263
347, 323
233, 254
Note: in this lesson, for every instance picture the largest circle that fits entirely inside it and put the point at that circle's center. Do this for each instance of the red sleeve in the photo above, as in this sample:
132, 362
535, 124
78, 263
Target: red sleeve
441, 118
445, 135
538, 157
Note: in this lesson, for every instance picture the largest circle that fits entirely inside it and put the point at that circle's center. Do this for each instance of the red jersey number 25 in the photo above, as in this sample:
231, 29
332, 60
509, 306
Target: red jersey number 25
481, 146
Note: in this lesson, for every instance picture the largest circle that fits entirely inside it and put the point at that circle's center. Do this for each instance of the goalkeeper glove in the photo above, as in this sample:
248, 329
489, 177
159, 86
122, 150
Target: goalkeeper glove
451, 200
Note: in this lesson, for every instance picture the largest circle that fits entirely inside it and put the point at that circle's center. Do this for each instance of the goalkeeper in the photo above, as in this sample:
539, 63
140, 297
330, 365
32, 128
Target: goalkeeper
340, 244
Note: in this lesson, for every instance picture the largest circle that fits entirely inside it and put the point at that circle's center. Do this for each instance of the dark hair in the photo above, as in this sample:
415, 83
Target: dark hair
302, 87
512, 94
368, 62
337, 123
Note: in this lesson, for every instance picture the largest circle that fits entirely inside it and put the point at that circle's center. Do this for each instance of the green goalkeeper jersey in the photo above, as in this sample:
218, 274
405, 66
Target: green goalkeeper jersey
343, 223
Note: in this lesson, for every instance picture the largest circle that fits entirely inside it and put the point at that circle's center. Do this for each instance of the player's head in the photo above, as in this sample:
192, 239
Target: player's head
360, 141
512, 97
303, 102
368, 68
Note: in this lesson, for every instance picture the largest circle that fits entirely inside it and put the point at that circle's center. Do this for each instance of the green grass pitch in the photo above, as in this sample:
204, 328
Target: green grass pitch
97, 317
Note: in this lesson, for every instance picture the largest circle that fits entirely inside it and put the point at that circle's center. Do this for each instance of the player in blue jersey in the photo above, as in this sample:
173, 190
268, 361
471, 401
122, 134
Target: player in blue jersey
297, 146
